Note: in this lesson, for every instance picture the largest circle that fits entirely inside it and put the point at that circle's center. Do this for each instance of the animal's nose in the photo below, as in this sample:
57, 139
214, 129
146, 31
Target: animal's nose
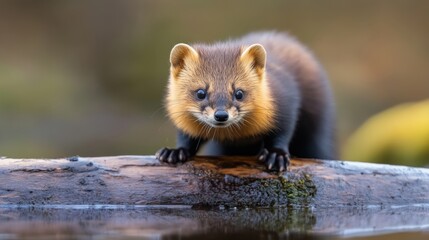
221, 116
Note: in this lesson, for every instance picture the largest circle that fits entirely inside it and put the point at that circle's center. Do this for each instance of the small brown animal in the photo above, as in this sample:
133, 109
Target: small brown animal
263, 94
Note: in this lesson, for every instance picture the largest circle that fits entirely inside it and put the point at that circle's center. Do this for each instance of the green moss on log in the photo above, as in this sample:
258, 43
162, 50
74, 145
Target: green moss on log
291, 189
232, 184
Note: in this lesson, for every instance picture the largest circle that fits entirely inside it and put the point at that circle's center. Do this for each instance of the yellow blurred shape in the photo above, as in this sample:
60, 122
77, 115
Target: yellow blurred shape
399, 135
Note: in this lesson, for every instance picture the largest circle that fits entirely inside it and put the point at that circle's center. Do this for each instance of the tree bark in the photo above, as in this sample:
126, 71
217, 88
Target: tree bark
208, 181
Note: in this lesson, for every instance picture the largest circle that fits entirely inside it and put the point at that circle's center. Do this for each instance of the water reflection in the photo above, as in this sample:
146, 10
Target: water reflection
182, 222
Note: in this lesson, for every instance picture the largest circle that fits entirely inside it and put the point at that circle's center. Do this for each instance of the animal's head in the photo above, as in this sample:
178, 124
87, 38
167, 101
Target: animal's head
219, 91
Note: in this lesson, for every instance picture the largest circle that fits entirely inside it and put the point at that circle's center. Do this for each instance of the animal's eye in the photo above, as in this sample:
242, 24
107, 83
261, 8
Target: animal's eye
239, 94
201, 94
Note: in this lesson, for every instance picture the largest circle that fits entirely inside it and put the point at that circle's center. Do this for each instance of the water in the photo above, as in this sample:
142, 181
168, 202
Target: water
184, 222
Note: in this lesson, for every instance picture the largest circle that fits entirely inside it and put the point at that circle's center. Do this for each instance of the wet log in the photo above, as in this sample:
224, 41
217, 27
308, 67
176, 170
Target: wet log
207, 181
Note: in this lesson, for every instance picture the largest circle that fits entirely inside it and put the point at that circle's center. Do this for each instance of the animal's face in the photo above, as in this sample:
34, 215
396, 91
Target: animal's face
216, 89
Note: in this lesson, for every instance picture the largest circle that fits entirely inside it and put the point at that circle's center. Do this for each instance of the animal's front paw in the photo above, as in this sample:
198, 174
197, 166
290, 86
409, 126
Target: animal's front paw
173, 156
275, 159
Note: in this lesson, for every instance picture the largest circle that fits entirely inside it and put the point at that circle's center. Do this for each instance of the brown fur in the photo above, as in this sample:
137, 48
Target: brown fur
287, 105
203, 71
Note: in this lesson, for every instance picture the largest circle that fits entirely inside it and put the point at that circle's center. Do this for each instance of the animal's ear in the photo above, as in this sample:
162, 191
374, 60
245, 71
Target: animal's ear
181, 55
255, 56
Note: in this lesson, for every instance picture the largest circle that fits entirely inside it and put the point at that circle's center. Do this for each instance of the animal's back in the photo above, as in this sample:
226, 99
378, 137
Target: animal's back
295, 75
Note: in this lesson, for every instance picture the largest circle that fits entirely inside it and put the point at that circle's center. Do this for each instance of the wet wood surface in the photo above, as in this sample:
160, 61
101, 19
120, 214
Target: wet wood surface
229, 182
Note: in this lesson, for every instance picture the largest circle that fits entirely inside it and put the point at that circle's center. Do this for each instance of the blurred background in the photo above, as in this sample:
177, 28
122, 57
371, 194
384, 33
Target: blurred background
88, 77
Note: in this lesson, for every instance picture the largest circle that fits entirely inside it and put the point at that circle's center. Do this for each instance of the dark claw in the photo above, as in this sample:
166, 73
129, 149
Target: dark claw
271, 160
172, 156
287, 160
160, 152
275, 159
263, 155
280, 163
182, 155
163, 154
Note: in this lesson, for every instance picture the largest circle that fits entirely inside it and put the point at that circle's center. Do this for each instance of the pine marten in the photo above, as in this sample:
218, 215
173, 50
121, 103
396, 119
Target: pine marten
263, 94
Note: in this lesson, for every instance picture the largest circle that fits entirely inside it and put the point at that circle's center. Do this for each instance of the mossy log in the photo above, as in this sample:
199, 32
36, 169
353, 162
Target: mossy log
208, 181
